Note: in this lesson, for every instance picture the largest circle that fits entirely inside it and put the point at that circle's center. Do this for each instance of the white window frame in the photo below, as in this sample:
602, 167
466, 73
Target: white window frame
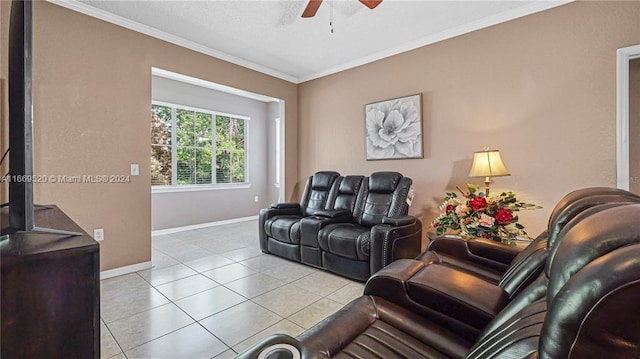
278, 155
624, 55
202, 187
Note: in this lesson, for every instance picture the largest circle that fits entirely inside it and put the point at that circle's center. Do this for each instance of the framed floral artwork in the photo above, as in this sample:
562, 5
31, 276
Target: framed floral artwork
394, 128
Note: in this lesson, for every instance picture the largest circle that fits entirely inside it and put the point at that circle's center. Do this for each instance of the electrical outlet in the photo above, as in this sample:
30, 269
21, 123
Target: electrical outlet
98, 234
135, 169
256, 199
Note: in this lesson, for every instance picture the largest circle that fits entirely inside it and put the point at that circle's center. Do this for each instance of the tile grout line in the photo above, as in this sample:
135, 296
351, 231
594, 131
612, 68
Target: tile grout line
195, 321
246, 247
170, 302
114, 339
222, 341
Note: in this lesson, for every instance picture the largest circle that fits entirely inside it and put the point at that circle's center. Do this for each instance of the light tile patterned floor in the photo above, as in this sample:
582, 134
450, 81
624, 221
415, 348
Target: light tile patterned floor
211, 294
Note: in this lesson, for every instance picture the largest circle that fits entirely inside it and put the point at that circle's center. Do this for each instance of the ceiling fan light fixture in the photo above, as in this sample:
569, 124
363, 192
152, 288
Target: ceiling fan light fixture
313, 5
371, 4
312, 8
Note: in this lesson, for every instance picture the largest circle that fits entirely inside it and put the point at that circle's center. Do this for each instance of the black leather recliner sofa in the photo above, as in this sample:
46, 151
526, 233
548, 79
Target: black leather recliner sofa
279, 231
354, 226
583, 304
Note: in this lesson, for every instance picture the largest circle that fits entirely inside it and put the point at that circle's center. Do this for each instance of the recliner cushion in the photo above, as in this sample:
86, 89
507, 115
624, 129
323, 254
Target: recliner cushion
457, 294
372, 327
347, 240
385, 195
430, 257
574, 255
317, 200
375, 208
323, 180
284, 229
384, 182
317, 191
347, 192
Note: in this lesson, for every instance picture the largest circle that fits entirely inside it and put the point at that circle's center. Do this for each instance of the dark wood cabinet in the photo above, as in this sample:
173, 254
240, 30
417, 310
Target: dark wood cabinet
50, 289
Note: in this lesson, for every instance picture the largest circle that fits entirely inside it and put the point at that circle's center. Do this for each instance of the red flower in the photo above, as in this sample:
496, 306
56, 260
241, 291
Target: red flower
478, 203
504, 216
449, 208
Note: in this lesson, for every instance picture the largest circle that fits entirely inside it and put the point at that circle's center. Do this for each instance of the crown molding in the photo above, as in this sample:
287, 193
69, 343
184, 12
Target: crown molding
444, 35
176, 40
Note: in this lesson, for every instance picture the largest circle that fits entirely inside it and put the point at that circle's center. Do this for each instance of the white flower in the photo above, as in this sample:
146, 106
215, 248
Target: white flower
393, 129
486, 221
462, 210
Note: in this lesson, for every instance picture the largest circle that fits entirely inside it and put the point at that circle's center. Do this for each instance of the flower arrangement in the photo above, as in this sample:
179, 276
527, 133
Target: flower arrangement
478, 215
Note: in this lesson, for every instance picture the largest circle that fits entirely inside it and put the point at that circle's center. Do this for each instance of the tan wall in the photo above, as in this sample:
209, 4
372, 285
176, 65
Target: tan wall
92, 96
541, 89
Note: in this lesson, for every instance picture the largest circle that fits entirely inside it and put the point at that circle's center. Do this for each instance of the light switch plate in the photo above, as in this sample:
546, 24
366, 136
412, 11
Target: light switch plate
135, 169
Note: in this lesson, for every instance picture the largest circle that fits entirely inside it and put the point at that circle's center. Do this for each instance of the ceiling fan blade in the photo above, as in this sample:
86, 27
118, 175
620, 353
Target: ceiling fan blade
371, 4
312, 8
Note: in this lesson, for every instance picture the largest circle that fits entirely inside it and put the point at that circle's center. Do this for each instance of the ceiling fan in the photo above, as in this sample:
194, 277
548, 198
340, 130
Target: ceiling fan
313, 5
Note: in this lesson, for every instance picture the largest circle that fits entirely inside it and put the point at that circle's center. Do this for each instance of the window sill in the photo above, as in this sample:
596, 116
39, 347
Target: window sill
195, 188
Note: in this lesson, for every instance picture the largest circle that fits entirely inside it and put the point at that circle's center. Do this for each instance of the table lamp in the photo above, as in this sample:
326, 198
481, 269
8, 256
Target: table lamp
487, 164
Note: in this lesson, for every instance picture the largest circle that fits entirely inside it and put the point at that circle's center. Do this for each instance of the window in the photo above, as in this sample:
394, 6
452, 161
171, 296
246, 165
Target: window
184, 150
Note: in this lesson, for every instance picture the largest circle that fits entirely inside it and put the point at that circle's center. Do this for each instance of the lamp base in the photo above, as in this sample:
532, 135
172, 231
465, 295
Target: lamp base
487, 182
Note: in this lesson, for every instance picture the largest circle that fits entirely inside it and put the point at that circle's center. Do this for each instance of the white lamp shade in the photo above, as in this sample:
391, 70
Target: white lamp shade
488, 163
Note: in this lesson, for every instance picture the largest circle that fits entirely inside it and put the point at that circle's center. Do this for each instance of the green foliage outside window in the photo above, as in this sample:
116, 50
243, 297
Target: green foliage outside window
161, 145
230, 147
194, 148
194, 143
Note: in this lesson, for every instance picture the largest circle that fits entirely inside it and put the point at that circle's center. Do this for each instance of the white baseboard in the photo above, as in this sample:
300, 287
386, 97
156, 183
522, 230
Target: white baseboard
125, 270
201, 225
146, 265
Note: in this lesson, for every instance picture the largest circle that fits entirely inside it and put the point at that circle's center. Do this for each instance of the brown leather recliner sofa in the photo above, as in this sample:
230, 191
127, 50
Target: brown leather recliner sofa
351, 225
583, 304
509, 267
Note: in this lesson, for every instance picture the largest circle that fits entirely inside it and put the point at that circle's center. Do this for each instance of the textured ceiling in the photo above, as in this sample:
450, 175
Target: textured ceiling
270, 36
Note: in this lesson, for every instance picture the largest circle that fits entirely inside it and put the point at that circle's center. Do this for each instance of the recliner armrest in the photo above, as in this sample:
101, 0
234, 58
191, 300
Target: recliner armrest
457, 294
400, 270
286, 205
331, 213
391, 242
497, 251
399, 221
486, 254
305, 351
441, 289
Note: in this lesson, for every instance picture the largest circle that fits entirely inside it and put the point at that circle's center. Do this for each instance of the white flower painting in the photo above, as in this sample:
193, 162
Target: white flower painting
394, 128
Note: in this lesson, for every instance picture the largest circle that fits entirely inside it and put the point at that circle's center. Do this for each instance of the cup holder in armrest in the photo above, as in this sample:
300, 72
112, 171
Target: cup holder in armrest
280, 351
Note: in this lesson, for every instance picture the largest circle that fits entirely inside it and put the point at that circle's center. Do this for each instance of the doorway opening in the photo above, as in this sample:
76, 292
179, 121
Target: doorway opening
217, 152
